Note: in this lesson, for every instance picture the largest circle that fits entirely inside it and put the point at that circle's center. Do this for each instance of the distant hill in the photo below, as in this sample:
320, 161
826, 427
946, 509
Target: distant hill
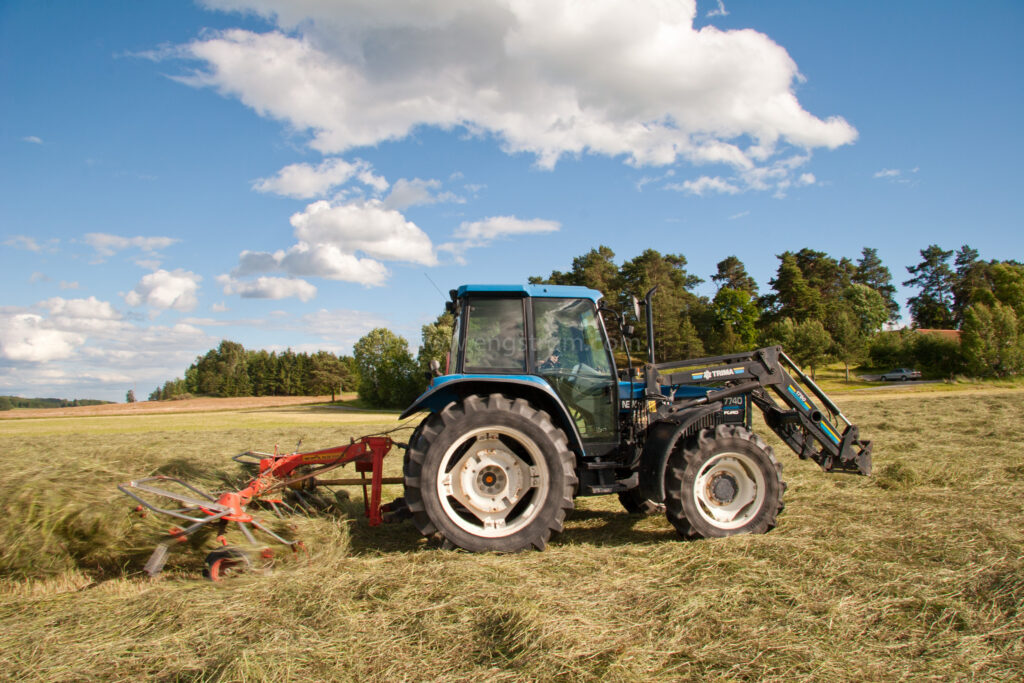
11, 402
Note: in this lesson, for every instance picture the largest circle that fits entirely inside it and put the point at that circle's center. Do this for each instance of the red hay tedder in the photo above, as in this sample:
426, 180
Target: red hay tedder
296, 472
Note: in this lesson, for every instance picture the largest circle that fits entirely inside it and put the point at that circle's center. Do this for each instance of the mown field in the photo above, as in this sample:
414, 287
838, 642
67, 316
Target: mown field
915, 573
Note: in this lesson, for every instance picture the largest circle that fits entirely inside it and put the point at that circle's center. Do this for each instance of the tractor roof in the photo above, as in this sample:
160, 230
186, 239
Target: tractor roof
551, 291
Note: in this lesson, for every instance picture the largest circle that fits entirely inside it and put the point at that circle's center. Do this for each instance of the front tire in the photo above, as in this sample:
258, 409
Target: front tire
490, 474
721, 482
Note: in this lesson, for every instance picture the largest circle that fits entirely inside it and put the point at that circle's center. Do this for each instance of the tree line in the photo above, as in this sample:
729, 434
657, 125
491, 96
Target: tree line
12, 402
231, 370
821, 309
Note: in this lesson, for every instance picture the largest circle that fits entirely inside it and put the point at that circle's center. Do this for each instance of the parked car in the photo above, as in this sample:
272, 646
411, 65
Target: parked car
901, 374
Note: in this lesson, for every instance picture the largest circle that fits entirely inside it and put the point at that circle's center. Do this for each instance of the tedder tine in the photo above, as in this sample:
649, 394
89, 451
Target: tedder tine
275, 472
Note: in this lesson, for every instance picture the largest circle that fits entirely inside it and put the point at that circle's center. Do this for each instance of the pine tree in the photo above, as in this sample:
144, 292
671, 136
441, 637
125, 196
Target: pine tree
933, 306
732, 274
871, 272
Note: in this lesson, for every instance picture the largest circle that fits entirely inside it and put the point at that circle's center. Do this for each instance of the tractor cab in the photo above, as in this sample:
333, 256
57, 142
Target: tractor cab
548, 339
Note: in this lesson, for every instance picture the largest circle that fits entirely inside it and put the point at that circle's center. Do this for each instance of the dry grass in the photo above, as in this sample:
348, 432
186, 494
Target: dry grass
916, 573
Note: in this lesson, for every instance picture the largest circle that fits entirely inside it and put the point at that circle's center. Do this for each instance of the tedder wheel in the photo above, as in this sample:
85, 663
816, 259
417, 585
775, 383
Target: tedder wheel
490, 473
636, 504
221, 564
721, 482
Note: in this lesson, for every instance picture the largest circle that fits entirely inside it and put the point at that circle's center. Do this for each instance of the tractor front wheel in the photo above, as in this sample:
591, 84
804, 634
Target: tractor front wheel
490, 474
721, 482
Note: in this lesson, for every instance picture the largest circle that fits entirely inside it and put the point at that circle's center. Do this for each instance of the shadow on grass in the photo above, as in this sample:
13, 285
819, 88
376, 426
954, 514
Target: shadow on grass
582, 528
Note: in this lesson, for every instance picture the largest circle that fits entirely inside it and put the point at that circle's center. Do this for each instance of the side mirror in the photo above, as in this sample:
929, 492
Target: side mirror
435, 368
636, 306
628, 330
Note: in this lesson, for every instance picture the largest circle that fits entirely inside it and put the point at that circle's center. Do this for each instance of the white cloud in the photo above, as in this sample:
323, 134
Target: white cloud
107, 245
30, 244
778, 176
546, 77
346, 242
68, 285
304, 181
80, 308
86, 346
406, 193
896, 175
35, 140
481, 233
219, 308
705, 185
28, 337
737, 216
166, 290
501, 226
268, 288
719, 11
369, 227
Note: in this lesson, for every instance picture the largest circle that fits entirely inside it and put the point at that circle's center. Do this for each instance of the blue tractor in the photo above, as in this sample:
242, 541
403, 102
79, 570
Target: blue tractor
531, 412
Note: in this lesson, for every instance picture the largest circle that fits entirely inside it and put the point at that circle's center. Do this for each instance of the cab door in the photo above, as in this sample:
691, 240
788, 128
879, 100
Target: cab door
570, 350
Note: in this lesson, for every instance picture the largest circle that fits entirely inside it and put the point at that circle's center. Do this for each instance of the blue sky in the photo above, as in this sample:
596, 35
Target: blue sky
293, 174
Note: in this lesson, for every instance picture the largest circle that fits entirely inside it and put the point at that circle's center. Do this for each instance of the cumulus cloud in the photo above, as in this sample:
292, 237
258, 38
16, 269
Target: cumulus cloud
417, 191
369, 227
86, 346
30, 243
80, 308
305, 181
779, 176
29, 337
344, 241
546, 77
481, 233
163, 290
107, 245
268, 288
704, 185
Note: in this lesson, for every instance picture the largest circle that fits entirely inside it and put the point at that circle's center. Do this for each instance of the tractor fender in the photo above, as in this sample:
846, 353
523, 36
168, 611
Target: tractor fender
443, 390
662, 438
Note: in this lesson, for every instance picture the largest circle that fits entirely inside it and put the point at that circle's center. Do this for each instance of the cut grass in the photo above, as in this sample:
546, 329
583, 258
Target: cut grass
914, 573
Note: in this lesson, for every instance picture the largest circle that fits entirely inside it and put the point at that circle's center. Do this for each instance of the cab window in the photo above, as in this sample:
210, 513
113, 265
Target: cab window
495, 336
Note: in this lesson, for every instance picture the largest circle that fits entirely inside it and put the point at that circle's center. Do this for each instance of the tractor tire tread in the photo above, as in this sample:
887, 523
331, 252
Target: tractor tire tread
432, 429
691, 454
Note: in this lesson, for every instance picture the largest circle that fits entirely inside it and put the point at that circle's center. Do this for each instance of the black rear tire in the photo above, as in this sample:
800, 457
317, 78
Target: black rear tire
490, 474
721, 482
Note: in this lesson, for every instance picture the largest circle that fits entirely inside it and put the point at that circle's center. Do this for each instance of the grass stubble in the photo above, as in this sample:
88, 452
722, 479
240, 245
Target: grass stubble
915, 573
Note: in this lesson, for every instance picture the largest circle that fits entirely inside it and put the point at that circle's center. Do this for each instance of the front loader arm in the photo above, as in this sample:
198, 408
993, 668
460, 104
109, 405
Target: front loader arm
783, 393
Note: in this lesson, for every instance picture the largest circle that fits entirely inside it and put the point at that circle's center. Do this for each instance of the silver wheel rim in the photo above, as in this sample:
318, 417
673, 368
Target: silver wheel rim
493, 481
729, 490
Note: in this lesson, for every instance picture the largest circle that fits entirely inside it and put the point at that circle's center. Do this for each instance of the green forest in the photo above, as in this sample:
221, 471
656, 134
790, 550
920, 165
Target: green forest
821, 309
12, 402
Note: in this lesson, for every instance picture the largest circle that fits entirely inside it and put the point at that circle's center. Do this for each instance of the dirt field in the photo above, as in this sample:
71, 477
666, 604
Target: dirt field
191, 405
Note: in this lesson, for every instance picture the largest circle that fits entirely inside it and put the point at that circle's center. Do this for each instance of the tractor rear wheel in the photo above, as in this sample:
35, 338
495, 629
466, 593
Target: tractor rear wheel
721, 482
490, 474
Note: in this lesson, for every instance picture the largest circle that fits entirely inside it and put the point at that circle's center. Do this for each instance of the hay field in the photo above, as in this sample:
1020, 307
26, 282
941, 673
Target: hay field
915, 573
